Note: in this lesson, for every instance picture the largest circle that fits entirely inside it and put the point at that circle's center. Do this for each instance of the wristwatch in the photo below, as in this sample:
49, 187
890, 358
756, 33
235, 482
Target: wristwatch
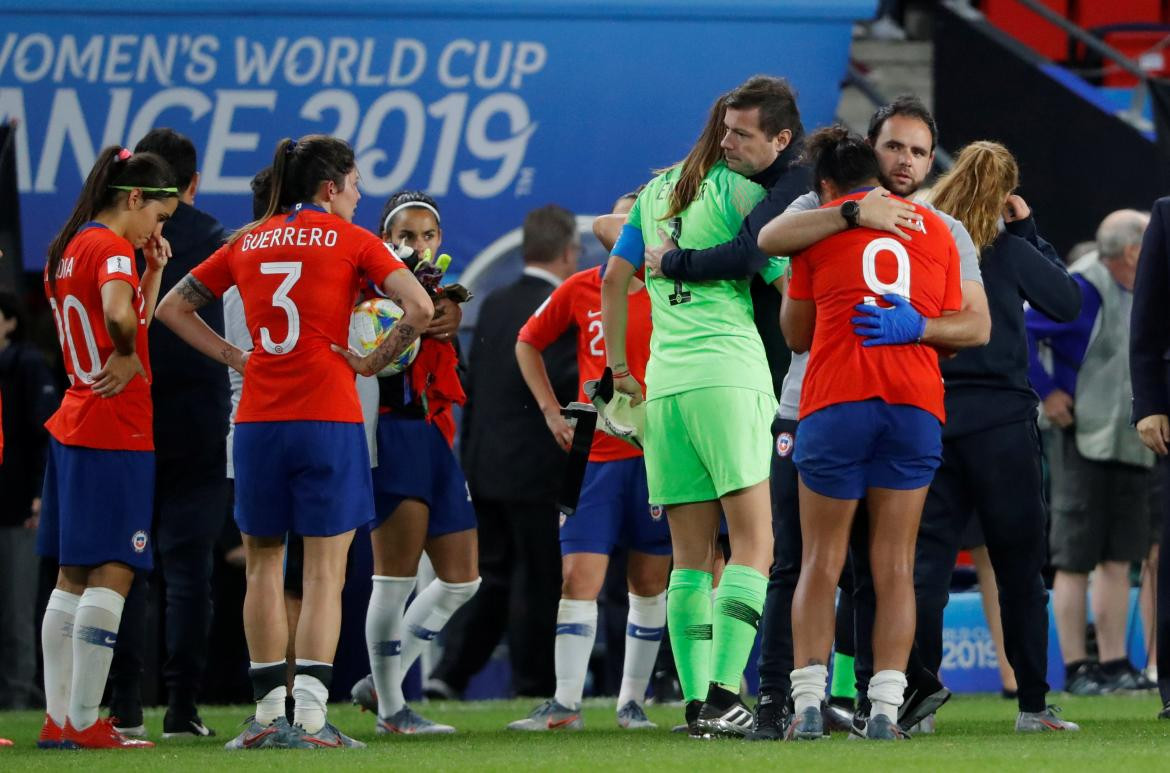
851, 211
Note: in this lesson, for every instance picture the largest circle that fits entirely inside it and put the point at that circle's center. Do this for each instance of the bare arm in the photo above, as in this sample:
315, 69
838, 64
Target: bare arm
607, 229
177, 311
403, 288
792, 231
967, 327
615, 287
797, 322
157, 252
536, 377
121, 320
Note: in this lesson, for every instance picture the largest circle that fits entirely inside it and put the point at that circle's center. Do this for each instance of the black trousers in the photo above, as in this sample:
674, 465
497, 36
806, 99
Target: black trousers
995, 474
1163, 624
776, 653
520, 563
189, 512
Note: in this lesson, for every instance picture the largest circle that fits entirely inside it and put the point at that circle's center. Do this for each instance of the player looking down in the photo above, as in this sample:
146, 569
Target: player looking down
870, 422
99, 481
300, 455
709, 403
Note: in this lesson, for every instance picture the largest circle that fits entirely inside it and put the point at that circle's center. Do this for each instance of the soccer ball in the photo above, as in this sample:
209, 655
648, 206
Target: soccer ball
372, 321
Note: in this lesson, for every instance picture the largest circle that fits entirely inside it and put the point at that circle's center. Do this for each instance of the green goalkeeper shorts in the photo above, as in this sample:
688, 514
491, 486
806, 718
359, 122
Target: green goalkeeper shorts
704, 443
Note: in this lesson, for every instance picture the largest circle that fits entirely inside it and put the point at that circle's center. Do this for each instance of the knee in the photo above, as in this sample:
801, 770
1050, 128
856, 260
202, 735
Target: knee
580, 584
647, 581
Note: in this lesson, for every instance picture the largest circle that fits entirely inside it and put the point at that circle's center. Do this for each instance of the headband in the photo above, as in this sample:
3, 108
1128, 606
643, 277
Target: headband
390, 215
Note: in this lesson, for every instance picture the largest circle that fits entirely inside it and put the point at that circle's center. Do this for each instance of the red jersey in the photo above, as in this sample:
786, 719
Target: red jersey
125, 422
859, 266
298, 276
577, 303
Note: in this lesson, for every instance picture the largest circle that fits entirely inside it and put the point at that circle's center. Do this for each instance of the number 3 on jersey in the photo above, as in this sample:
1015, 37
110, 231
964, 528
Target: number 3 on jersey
901, 284
280, 299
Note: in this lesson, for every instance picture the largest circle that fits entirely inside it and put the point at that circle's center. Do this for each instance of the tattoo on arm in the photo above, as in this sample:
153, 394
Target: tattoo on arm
226, 354
400, 337
194, 292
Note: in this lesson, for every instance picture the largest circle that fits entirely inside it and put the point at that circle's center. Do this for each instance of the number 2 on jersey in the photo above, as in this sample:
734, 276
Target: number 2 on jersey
280, 299
901, 283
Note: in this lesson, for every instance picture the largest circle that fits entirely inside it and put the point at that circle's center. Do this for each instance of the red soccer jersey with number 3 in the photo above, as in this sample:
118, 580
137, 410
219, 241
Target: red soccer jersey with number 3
95, 256
577, 304
298, 276
859, 266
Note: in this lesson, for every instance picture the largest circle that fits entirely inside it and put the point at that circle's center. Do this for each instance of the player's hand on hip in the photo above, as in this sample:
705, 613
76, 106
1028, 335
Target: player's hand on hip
361, 365
1058, 407
628, 385
118, 371
445, 324
1155, 432
240, 362
653, 255
881, 211
899, 324
1015, 208
561, 430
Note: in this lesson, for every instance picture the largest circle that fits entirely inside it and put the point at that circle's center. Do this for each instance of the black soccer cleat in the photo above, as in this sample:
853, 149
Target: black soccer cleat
691, 713
923, 698
771, 718
723, 715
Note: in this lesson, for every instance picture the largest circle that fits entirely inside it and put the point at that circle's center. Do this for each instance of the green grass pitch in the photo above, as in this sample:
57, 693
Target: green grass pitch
1119, 735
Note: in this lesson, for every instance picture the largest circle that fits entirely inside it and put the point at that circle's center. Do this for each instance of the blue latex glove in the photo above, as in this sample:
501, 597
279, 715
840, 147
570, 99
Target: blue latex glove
899, 324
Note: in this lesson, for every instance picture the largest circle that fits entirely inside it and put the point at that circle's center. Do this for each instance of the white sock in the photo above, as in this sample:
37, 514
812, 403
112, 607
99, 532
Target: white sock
644, 628
57, 650
576, 629
95, 632
429, 612
808, 686
311, 697
885, 693
270, 707
384, 639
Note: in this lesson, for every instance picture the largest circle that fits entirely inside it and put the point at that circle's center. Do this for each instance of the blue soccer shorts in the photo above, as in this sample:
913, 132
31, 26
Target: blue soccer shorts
307, 477
97, 506
847, 448
614, 509
415, 462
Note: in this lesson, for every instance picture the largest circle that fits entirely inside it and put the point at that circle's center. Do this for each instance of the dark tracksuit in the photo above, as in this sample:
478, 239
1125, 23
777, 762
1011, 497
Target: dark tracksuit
991, 466
741, 257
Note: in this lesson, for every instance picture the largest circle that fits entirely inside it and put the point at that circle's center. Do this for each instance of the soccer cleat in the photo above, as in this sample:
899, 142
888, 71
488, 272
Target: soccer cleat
406, 721
1086, 679
277, 735
1043, 721
633, 717
129, 729
923, 698
723, 715
550, 715
808, 725
880, 728
51, 735
364, 694
691, 713
1165, 712
328, 737
5, 742
837, 718
925, 727
771, 718
102, 734
1128, 680
175, 726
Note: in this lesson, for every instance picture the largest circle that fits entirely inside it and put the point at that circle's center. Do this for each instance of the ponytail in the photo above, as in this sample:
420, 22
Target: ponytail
114, 174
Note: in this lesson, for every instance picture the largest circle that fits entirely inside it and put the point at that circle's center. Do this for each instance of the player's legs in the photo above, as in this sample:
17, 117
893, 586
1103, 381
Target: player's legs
646, 575
583, 574
265, 624
693, 530
455, 559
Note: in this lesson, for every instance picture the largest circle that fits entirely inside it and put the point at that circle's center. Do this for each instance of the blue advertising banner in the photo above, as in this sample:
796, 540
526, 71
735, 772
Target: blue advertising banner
493, 108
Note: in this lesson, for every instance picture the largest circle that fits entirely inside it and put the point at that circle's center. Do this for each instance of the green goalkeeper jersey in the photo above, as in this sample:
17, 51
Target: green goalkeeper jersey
704, 332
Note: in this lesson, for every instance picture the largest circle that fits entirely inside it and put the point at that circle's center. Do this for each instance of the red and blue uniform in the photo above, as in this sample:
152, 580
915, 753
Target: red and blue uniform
99, 480
871, 416
299, 447
614, 505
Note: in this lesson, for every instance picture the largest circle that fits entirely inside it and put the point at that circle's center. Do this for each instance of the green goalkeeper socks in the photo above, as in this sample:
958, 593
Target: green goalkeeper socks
739, 602
688, 613
844, 680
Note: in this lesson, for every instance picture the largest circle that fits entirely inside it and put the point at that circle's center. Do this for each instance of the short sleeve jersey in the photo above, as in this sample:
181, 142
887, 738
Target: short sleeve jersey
859, 266
95, 256
704, 332
298, 275
577, 304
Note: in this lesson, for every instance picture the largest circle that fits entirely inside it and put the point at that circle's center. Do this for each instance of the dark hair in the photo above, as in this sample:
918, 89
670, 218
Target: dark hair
547, 232
838, 155
261, 186
705, 154
115, 166
909, 106
11, 308
397, 200
176, 149
776, 100
298, 169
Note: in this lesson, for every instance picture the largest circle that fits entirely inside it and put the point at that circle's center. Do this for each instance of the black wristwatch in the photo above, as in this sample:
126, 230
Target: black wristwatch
851, 211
